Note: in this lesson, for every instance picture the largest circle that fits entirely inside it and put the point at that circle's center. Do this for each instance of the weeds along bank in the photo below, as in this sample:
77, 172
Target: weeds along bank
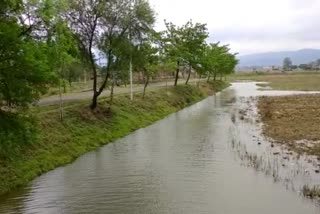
52, 143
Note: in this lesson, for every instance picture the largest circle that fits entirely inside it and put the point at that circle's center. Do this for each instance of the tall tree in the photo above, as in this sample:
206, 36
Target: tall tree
86, 21
24, 73
185, 44
194, 37
173, 46
106, 21
146, 59
127, 22
287, 63
218, 59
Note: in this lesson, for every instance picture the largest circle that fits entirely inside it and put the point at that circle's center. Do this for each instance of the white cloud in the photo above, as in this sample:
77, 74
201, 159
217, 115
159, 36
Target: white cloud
249, 25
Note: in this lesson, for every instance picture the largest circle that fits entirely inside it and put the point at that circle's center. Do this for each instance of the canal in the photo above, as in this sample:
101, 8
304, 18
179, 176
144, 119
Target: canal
185, 163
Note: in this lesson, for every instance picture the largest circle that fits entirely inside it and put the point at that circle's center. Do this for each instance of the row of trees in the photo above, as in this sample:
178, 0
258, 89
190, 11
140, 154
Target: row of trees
45, 41
288, 65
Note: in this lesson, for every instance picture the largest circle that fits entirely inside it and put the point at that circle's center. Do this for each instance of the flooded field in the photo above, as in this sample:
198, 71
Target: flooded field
208, 158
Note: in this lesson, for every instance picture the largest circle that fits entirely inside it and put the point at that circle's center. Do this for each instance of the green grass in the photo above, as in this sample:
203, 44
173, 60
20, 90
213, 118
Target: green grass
302, 81
57, 143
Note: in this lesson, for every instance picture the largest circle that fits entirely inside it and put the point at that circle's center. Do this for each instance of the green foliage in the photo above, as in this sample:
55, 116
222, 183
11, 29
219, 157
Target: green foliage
73, 71
42, 41
185, 43
24, 72
218, 60
16, 131
106, 25
146, 59
187, 46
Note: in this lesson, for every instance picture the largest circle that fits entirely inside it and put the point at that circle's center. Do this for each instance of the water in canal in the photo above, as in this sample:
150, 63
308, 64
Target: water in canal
184, 163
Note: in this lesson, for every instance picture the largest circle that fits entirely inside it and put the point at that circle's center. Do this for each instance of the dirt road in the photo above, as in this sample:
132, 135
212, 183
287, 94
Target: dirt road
78, 96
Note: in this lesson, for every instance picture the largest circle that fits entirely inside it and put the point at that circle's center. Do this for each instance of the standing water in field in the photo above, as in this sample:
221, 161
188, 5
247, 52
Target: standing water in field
186, 163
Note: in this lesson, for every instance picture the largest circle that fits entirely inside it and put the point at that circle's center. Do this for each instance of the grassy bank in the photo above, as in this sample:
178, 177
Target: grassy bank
288, 81
58, 143
293, 121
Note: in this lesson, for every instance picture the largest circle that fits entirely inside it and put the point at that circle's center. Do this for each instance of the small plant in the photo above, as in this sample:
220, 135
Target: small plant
311, 192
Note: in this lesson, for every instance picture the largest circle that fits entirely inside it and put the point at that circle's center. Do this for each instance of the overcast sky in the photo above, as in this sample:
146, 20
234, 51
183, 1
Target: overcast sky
249, 26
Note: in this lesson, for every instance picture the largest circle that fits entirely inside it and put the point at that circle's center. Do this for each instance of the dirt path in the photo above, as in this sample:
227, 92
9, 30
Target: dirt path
78, 96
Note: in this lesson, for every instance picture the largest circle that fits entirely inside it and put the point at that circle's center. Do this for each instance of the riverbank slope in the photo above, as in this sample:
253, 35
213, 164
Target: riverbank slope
58, 143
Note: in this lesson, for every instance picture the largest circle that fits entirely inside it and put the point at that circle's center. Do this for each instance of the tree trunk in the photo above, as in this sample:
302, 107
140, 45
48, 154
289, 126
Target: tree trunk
60, 102
189, 74
94, 87
94, 101
131, 79
112, 92
215, 76
177, 73
166, 84
145, 87
208, 77
96, 93
84, 76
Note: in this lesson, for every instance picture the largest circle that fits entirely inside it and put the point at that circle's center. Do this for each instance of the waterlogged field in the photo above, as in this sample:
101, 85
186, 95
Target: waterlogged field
283, 81
291, 123
293, 120
280, 145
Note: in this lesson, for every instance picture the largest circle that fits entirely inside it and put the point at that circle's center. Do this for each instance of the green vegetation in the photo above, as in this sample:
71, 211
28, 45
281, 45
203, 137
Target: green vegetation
49, 44
303, 81
57, 143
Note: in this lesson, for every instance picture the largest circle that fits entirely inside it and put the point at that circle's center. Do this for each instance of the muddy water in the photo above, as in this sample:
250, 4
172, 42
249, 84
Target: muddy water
190, 162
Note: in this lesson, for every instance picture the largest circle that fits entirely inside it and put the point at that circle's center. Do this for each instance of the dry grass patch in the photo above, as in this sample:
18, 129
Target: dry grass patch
292, 120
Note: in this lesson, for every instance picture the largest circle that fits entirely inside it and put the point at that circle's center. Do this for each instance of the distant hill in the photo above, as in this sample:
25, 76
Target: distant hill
276, 58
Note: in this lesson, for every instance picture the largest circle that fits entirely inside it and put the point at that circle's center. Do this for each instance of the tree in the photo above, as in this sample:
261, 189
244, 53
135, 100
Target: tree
218, 59
305, 66
146, 59
85, 20
118, 64
24, 73
73, 72
173, 46
194, 45
287, 63
99, 24
62, 48
126, 23
185, 44
228, 65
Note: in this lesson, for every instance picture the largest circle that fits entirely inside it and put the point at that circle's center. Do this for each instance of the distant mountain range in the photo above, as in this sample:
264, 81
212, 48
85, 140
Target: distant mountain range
276, 58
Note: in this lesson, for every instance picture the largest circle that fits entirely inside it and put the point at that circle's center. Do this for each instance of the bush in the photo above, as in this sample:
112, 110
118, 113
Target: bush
16, 130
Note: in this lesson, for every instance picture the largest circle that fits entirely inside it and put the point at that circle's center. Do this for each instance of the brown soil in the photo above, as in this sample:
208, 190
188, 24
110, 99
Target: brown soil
292, 120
